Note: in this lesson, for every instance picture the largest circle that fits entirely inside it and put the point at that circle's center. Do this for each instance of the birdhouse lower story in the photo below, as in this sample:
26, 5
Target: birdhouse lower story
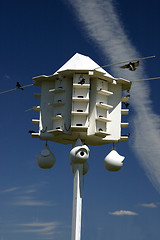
81, 101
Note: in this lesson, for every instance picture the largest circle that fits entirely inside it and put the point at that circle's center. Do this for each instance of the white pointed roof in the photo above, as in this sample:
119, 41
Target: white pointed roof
81, 62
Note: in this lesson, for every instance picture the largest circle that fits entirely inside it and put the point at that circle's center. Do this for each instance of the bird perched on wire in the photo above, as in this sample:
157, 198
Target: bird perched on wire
18, 85
131, 66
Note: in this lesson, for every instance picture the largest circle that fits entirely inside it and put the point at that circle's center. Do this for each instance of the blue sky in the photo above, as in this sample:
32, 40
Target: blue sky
38, 37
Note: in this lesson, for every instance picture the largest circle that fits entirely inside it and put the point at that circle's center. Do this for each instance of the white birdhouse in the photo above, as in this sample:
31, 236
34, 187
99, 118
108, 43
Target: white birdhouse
113, 161
81, 100
45, 159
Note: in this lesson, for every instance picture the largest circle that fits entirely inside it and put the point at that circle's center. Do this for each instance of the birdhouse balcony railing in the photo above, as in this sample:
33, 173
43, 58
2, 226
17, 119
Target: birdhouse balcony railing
77, 85
37, 95
57, 90
36, 121
124, 111
103, 105
80, 99
104, 92
103, 119
80, 113
57, 104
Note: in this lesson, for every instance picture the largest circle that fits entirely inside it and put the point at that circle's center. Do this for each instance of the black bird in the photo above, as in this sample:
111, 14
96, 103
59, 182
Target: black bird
18, 85
131, 66
81, 81
126, 104
128, 95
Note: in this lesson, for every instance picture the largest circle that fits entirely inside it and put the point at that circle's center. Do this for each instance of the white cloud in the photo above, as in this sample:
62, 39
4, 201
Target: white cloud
103, 26
123, 212
6, 76
31, 202
43, 228
8, 190
26, 196
149, 205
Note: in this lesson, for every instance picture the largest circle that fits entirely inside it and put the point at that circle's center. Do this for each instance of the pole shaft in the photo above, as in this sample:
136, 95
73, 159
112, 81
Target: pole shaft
77, 202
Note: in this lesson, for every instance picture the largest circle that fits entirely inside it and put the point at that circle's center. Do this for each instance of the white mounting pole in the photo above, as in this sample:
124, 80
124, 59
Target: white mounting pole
78, 156
77, 201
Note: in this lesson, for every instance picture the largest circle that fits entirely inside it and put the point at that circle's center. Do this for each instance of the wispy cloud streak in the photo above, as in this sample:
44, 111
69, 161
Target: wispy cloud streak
40, 228
123, 213
101, 22
30, 201
26, 196
149, 205
8, 190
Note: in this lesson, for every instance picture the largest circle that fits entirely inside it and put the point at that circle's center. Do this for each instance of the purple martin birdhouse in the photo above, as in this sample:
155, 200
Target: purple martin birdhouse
81, 100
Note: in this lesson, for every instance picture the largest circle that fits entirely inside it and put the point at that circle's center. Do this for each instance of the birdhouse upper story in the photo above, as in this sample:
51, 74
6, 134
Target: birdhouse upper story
81, 100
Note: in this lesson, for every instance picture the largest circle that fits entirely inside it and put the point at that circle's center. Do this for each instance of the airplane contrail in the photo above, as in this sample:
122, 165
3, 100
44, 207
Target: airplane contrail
103, 26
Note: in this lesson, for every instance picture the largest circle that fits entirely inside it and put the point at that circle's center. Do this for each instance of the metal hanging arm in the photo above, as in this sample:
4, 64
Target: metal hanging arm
109, 65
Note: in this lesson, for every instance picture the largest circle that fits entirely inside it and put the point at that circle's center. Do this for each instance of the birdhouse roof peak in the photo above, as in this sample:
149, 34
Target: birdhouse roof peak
81, 62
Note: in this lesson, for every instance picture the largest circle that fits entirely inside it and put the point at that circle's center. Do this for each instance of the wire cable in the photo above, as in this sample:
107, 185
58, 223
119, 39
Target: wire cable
14, 89
146, 79
109, 65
